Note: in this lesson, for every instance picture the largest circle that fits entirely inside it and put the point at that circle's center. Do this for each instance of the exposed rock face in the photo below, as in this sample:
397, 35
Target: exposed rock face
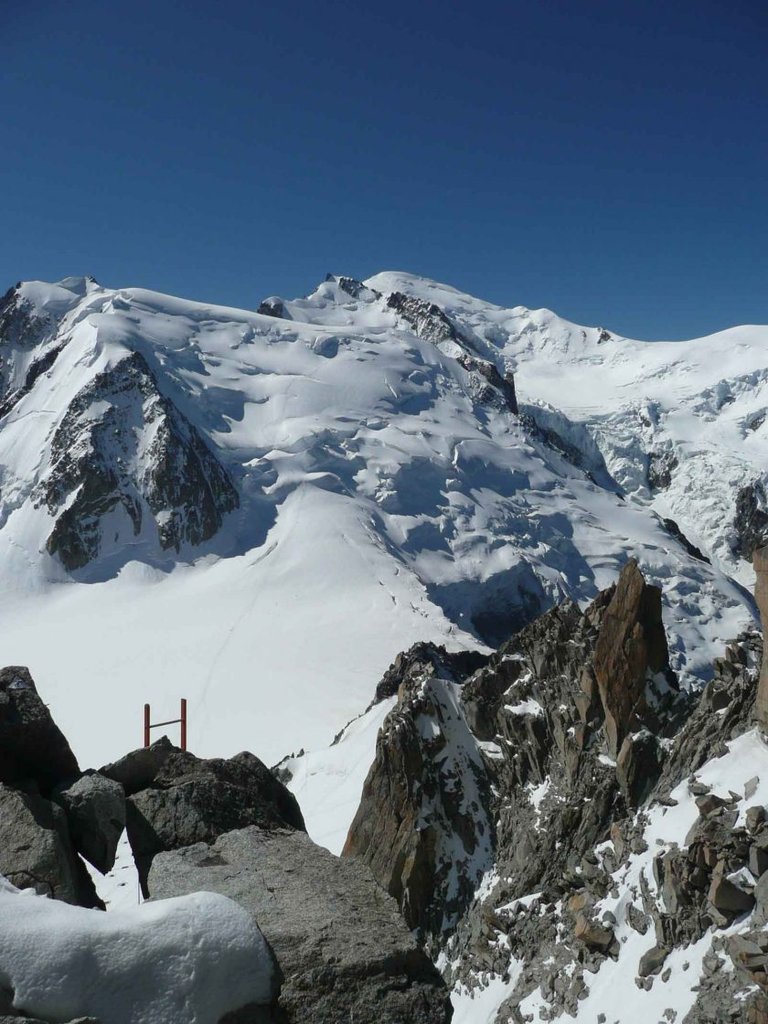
32, 747
426, 319
344, 950
427, 659
137, 769
674, 530
273, 307
571, 815
497, 387
21, 327
751, 519
698, 887
123, 450
760, 561
661, 465
551, 426
36, 369
354, 288
632, 645
724, 709
191, 800
95, 809
423, 826
36, 851
638, 766
468, 743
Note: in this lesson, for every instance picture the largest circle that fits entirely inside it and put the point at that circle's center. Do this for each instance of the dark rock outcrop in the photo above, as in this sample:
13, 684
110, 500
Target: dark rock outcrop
638, 766
354, 288
426, 319
36, 369
273, 307
96, 468
36, 850
423, 659
661, 465
674, 530
138, 769
22, 328
95, 809
190, 800
750, 521
498, 387
723, 710
344, 950
32, 747
15, 1019
550, 426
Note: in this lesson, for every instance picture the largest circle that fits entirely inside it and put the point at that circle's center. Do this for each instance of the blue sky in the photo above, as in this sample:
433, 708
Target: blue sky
605, 159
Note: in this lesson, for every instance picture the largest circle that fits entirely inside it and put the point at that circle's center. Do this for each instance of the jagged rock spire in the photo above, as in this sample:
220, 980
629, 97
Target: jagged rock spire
631, 644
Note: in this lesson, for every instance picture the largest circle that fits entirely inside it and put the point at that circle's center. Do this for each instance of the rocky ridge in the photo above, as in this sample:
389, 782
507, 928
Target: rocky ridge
122, 454
611, 844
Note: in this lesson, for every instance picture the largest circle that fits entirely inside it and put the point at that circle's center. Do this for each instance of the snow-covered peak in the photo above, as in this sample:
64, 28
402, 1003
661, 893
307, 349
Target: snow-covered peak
312, 487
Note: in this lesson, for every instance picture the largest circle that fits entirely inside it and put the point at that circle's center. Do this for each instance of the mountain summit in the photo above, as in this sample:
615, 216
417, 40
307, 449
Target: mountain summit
259, 510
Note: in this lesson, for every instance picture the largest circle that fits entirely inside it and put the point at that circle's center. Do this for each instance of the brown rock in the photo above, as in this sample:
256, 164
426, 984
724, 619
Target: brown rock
592, 934
579, 901
652, 961
631, 643
727, 898
709, 804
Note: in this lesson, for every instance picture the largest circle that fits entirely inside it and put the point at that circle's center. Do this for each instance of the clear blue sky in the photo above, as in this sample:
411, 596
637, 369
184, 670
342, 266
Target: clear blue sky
605, 158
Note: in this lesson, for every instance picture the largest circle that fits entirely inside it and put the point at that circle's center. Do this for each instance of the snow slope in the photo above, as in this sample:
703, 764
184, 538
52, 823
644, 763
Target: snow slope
387, 493
703, 400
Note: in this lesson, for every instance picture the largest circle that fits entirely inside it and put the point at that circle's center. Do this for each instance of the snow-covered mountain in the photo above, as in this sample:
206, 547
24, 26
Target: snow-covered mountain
258, 511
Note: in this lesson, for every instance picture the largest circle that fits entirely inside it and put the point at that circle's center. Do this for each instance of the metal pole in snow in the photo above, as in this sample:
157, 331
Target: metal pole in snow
146, 725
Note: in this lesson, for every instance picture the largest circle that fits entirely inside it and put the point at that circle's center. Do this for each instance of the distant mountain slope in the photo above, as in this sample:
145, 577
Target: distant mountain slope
257, 511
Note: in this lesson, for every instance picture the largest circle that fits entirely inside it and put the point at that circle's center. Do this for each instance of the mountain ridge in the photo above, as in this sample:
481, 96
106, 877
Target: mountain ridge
386, 430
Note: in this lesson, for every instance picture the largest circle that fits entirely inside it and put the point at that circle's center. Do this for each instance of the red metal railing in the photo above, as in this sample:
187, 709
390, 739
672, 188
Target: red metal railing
182, 721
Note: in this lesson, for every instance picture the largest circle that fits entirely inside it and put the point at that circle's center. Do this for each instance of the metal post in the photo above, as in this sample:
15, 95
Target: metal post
146, 725
183, 723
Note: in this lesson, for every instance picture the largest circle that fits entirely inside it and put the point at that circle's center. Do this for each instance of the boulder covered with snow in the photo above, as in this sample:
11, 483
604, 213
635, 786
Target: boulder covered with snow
191, 800
171, 962
339, 939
